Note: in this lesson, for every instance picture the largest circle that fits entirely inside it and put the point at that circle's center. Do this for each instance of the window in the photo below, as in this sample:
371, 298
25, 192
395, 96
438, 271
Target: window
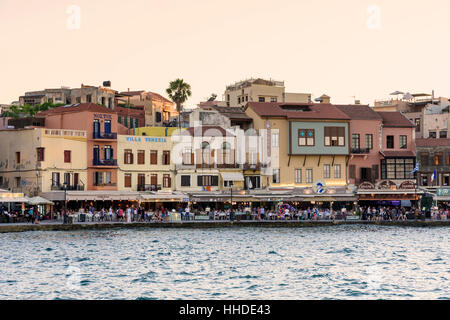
55, 179
334, 136
98, 178
228, 184
188, 156
206, 153
417, 123
119, 119
17, 157
309, 175
239, 99
326, 171
127, 177
166, 181
67, 156
67, 179
447, 159
141, 157
108, 153
306, 137
154, 157
158, 117
154, 180
252, 182
438, 159
298, 176
369, 141
397, 168
390, 142
125, 121
275, 140
185, 181
89, 98
432, 135
128, 156
424, 158
355, 141
403, 142
276, 176
262, 99
273, 99
108, 177
443, 134
18, 182
103, 101
352, 171
208, 181
424, 180
40, 154
166, 158
337, 171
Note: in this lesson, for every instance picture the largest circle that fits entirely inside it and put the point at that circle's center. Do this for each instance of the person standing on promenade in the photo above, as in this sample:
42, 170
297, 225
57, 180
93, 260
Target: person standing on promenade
129, 211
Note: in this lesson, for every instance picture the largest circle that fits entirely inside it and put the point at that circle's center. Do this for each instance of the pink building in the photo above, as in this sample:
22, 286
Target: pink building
364, 161
100, 124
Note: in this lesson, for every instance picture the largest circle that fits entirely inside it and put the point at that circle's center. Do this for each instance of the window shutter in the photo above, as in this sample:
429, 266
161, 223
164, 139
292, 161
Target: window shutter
352, 172
199, 181
214, 181
375, 171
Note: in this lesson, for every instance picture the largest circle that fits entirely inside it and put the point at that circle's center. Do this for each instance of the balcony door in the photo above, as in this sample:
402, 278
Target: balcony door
96, 155
366, 174
107, 126
96, 128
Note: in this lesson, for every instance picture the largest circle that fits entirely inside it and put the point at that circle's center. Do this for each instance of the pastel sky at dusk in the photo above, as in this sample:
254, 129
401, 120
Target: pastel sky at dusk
320, 46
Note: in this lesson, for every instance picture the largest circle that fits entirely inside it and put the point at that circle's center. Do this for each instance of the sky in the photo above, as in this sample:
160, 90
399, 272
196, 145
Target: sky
346, 49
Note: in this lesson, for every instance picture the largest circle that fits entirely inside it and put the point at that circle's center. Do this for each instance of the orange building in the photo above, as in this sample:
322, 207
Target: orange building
100, 124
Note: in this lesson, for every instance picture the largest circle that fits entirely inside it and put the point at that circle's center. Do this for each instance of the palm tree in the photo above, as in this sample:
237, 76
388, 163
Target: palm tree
178, 92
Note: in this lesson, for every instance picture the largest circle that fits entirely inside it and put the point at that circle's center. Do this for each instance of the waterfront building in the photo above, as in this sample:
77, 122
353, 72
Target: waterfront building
312, 144
145, 163
42, 160
365, 157
102, 95
433, 155
395, 183
101, 127
261, 90
158, 111
215, 115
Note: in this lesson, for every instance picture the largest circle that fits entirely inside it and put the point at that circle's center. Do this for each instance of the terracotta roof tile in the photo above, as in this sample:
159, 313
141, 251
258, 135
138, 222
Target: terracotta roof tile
91, 107
433, 142
359, 112
311, 111
398, 154
395, 119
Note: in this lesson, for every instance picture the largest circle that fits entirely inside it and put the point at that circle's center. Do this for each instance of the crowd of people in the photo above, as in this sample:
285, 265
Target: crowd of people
281, 212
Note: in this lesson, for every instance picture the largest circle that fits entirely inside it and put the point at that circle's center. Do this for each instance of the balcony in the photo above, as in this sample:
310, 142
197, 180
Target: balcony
60, 187
148, 187
104, 135
105, 162
111, 184
361, 150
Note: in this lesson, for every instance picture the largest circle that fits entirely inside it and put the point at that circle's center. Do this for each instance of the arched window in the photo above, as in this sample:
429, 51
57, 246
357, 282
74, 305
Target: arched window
226, 153
206, 152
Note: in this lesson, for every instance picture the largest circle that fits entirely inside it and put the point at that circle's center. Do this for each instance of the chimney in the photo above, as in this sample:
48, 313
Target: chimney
325, 99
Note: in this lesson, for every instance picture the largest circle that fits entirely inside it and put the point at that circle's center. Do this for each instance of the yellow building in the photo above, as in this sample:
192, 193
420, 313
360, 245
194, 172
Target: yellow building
145, 163
40, 160
309, 143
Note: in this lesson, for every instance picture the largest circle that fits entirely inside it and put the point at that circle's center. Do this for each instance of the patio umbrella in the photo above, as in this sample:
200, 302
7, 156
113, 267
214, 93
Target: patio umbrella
38, 201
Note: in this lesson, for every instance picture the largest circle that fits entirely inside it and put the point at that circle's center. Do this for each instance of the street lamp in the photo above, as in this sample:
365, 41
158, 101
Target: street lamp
231, 203
65, 200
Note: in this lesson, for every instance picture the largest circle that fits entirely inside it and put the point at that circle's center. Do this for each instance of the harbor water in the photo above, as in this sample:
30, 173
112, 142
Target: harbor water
336, 262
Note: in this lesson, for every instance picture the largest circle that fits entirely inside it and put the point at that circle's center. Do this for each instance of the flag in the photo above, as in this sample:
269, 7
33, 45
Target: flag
434, 176
416, 169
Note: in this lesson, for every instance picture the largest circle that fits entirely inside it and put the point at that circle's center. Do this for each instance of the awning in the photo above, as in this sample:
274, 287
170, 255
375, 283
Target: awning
38, 201
232, 176
13, 199
164, 198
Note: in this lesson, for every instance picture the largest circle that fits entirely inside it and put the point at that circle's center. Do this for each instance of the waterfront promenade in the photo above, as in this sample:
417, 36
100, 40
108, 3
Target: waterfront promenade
203, 224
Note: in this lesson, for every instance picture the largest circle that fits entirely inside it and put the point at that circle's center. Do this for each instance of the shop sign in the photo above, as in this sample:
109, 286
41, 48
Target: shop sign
407, 185
367, 186
443, 192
